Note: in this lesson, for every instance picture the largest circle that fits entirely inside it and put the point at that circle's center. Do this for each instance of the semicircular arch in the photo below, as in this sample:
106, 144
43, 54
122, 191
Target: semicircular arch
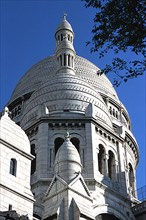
107, 209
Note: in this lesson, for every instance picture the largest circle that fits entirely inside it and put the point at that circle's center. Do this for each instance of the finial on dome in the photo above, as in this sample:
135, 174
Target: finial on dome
6, 111
67, 136
64, 16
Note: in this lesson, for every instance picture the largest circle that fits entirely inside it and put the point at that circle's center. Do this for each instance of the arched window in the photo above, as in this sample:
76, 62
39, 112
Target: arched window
111, 165
75, 141
58, 142
101, 159
33, 162
131, 180
13, 166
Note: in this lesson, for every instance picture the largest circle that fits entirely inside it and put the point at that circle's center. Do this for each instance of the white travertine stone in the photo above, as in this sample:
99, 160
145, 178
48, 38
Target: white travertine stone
15, 189
93, 171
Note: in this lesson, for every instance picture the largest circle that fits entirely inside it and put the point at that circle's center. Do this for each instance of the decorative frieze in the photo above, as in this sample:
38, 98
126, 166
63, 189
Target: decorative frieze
106, 136
32, 132
61, 125
132, 145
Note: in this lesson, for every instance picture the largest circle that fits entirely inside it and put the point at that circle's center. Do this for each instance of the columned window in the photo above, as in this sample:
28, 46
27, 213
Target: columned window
13, 166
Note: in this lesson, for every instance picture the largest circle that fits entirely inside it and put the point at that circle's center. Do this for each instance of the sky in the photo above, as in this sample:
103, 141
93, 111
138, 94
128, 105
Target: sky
27, 36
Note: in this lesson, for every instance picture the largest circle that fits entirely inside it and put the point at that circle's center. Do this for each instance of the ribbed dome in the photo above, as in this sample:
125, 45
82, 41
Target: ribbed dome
66, 93
67, 161
63, 82
45, 70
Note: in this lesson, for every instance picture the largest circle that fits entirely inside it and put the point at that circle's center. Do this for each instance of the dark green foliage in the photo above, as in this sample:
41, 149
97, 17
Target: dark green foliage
120, 26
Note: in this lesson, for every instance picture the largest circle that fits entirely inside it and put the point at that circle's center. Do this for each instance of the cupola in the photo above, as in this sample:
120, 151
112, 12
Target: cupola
65, 52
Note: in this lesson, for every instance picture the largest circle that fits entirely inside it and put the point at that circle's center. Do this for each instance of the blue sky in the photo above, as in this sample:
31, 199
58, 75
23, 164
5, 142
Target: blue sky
27, 36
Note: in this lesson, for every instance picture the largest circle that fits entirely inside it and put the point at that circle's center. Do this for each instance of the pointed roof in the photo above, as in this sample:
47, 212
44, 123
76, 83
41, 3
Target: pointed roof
64, 24
67, 161
12, 134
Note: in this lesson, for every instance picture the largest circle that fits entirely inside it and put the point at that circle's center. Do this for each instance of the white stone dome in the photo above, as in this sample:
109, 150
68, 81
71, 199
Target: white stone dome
45, 70
11, 133
67, 161
65, 82
66, 93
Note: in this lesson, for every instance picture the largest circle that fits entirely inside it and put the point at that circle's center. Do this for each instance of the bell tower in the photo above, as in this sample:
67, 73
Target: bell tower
65, 52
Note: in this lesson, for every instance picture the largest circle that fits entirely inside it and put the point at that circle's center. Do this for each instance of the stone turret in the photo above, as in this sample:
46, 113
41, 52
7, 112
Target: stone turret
64, 47
67, 161
63, 199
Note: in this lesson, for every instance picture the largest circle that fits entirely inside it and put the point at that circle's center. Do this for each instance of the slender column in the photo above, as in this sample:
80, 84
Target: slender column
106, 157
116, 170
97, 152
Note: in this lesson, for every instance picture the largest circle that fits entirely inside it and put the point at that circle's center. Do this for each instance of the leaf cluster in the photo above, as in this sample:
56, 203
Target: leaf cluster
120, 25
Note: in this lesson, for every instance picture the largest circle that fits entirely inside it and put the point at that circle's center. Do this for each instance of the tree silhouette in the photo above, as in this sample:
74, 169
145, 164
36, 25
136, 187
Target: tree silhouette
120, 26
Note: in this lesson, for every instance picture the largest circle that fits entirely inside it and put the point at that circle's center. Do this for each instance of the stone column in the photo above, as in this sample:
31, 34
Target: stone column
116, 170
42, 150
90, 157
97, 152
106, 157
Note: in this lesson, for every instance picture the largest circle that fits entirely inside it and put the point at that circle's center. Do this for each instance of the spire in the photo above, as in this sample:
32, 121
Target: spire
65, 52
67, 161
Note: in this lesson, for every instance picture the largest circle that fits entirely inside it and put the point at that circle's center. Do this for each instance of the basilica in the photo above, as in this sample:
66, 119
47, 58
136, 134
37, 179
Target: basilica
67, 149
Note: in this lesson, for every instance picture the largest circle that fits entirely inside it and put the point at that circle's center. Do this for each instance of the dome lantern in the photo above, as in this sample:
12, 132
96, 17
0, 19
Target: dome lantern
65, 52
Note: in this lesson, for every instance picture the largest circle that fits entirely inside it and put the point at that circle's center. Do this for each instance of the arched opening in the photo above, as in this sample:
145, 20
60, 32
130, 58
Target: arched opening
64, 59
58, 39
69, 60
131, 180
110, 110
111, 165
60, 60
33, 162
101, 159
13, 166
106, 217
61, 37
75, 141
117, 115
72, 62
57, 143
114, 112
